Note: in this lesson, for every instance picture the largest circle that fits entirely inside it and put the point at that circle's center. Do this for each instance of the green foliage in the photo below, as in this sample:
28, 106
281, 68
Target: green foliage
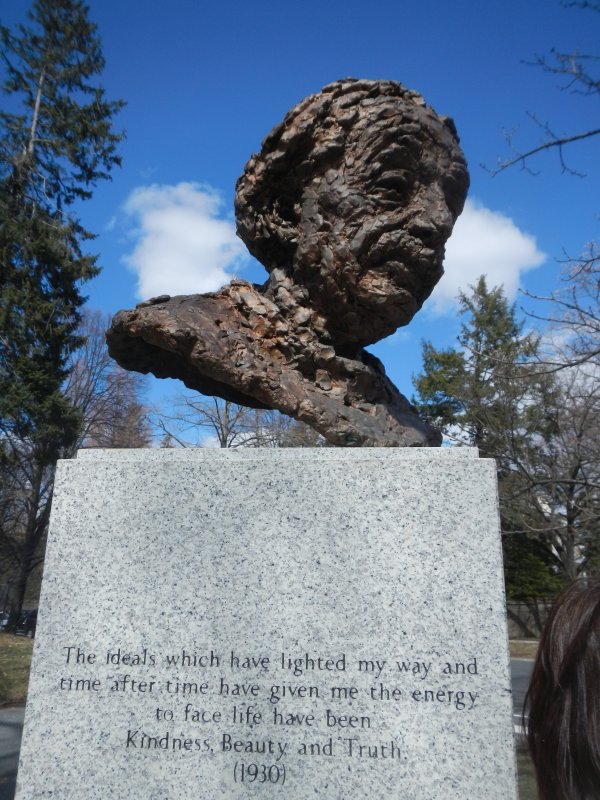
56, 143
528, 572
53, 150
38, 315
466, 392
59, 143
441, 386
491, 393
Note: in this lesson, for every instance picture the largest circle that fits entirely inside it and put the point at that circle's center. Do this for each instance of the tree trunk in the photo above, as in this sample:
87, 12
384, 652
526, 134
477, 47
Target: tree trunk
37, 518
36, 116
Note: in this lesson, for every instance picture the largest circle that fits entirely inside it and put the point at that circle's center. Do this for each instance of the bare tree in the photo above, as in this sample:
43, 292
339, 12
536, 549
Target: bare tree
551, 487
106, 395
25, 500
573, 335
196, 421
112, 415
575, 71
575, 307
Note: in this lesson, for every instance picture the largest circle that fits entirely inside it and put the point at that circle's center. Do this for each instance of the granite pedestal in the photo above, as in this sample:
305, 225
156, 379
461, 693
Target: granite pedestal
281, 623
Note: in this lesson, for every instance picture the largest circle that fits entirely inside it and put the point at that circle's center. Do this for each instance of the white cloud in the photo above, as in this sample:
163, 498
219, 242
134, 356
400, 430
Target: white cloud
183, 245
484, 242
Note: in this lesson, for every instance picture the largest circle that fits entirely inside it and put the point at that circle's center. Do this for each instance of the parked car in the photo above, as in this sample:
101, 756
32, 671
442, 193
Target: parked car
26, 624
4, 617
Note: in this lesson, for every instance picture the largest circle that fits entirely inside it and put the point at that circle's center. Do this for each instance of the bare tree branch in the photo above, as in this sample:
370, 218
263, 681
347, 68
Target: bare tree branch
574, 68
521, 158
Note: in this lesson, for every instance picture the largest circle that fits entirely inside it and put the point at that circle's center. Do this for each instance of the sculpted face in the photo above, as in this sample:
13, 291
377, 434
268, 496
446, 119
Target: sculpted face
354, 197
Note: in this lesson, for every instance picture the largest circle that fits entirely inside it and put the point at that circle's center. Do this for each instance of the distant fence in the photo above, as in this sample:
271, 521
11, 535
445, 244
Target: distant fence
525, 620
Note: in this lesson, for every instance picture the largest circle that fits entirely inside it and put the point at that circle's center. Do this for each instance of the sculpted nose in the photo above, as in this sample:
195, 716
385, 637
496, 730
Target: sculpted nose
434, 219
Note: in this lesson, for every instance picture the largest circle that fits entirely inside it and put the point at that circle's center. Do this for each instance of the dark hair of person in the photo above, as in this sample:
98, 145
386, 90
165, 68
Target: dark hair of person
563, 700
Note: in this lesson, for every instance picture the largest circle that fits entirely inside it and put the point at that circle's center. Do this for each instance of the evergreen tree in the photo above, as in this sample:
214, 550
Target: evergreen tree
466, 391
53, 149
491, 393
56, 143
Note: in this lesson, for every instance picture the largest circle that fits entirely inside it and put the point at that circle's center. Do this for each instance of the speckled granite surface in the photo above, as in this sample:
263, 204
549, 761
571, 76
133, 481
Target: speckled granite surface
281, 454
289, 624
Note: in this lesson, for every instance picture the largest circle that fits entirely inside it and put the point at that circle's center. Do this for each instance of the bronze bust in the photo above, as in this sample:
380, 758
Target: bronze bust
348, 206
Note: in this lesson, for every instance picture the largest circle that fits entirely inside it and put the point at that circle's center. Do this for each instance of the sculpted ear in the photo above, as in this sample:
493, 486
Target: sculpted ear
269, 194
267, 223
267, 207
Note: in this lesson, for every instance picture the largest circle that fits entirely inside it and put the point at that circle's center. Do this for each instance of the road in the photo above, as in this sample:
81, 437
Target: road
520, 672
11, 726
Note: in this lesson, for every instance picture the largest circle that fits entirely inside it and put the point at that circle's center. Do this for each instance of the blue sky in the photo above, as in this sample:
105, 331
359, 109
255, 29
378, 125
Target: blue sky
205, 82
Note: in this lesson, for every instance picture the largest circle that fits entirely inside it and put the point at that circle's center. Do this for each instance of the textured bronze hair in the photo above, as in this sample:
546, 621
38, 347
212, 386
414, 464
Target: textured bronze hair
313, 138
563, 701
354, 195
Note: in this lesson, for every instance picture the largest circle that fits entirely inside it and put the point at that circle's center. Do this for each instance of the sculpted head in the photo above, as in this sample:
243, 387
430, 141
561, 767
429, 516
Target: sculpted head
353, 196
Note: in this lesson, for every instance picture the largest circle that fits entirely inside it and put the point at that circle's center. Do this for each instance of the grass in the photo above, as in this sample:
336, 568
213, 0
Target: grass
526, 774
15, 659
523, 648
